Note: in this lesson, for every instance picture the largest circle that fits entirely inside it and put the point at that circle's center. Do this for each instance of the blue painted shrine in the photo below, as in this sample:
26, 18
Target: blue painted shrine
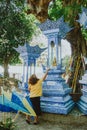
56, 98
83, 18
29, 54
82, 103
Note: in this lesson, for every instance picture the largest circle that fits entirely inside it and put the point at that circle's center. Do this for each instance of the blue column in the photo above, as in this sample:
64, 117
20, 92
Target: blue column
34, 65
30, 70
23, 73
48, 53
60, 50
57, 58
27, 74
51, 55
60, 54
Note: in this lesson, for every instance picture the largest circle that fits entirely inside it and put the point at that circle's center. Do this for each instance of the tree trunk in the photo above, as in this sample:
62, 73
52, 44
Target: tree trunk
6, 73
39, 8
78, 51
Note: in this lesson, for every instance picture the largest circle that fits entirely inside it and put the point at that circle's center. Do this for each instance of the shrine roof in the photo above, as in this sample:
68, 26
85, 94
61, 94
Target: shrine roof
50, 24
59, 25
35, 51
84, 10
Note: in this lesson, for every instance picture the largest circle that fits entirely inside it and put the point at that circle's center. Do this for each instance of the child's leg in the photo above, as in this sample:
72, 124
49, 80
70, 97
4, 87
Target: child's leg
28, 119
36, 119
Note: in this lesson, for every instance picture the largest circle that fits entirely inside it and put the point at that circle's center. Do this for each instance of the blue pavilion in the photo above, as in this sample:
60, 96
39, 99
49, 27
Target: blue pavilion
56, 98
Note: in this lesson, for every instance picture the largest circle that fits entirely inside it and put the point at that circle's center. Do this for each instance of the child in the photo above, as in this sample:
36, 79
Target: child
35, 88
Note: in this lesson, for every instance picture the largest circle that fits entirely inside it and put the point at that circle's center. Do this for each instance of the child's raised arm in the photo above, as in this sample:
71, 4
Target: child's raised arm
44, 77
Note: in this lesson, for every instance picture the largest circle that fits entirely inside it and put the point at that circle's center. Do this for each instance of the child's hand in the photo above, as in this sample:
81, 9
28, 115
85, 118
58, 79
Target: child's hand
48, 69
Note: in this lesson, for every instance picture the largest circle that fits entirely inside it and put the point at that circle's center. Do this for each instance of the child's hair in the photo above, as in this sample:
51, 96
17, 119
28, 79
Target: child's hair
33, 79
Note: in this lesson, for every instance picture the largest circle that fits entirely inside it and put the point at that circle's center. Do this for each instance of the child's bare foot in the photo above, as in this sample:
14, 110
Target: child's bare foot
35, 123
27, 121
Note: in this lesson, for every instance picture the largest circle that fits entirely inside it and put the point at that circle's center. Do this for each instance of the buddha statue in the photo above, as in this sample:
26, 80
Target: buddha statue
54, 62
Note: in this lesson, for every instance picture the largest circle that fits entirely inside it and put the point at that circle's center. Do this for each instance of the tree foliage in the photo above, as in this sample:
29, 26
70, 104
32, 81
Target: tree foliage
70, 9
16, 27
84, 32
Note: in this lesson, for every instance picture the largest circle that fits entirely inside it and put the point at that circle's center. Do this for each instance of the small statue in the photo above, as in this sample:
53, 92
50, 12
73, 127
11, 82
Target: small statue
54, 62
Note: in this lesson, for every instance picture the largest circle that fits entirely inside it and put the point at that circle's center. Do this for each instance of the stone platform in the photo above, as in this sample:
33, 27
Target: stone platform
82, 103
56, 98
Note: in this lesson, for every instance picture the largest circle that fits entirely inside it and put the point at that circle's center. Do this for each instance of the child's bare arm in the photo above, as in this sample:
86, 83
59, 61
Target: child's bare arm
44, 77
